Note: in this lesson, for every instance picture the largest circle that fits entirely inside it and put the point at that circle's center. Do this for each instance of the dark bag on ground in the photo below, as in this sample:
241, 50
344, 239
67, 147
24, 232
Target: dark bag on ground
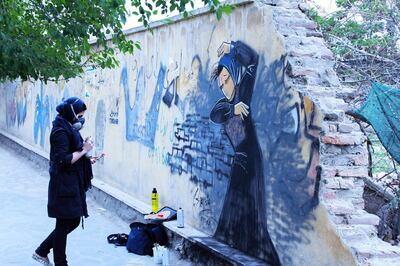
118, 239
142, 238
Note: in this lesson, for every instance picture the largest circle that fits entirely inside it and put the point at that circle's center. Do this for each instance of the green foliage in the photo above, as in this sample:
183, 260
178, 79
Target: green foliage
146, 9
360, 22
51, 39
55, 39
364, 36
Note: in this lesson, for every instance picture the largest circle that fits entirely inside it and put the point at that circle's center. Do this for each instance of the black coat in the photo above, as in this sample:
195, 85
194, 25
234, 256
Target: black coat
68, 182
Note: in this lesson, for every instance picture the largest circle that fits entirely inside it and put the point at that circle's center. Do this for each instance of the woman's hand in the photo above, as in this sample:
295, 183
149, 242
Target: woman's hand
225, 48
87, 146
241, 109
94, 159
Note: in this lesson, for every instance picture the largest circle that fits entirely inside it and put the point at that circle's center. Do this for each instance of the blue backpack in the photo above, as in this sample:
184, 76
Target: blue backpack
142, 238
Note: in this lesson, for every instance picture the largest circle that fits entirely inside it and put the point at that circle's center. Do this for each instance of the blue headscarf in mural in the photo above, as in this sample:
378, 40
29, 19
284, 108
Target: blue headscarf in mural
235, 69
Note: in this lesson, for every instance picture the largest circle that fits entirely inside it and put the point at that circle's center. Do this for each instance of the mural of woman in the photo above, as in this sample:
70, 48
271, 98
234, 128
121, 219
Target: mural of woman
242, 223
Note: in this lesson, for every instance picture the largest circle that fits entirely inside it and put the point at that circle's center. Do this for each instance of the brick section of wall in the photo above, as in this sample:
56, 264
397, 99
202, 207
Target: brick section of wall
204, 163
344, 156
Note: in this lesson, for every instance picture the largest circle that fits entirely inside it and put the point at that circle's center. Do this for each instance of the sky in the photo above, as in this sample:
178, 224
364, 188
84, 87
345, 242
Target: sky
132, 22
324, 6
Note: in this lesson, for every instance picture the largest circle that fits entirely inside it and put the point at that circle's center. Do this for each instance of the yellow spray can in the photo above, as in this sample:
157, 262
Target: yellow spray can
154, 200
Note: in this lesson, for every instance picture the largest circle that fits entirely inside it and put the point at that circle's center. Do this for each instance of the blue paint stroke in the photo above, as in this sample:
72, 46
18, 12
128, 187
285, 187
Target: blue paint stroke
42, 116
21, 111
144, 134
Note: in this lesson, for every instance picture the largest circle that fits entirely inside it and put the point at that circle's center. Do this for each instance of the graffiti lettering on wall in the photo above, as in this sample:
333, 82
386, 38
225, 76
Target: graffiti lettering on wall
205, 207
114, 113
136, 131
114, 118
42, 116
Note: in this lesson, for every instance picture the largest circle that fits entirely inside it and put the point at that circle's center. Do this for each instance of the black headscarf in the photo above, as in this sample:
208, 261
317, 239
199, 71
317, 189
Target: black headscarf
65, 108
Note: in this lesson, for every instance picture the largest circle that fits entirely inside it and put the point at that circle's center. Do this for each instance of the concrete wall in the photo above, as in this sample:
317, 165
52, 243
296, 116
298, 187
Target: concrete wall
151, 117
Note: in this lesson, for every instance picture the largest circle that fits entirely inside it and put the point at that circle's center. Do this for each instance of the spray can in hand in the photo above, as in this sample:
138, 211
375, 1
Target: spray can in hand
179, 218
89, 153
154, 200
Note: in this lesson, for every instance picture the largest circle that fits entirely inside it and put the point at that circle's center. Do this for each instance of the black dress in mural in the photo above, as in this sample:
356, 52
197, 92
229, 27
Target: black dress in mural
243, 220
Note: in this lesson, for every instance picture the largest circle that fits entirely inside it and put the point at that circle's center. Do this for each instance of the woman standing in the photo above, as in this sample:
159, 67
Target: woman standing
243, 222
70, 178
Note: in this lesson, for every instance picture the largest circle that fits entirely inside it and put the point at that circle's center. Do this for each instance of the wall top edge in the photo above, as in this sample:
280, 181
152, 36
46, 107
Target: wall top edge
175, 19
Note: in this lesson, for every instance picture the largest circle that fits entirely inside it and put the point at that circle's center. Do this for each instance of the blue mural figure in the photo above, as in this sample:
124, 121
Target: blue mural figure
244, 207
195, 99
42, 116
21, 111
16, 106
144, 134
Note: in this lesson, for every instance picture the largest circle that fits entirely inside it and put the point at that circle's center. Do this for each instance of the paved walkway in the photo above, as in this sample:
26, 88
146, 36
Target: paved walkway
24, 222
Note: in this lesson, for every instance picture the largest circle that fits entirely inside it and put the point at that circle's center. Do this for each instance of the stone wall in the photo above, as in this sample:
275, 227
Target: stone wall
160, 118
344, 156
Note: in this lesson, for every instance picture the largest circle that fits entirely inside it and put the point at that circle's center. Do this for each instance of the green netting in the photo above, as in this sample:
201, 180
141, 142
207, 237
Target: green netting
382, 111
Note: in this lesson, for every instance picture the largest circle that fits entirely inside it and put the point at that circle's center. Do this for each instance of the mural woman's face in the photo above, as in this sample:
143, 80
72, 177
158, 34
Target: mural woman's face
226, 84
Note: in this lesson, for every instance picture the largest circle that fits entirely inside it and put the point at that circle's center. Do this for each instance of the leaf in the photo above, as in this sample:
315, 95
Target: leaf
227, 9
159, 3
138, 46
219, 13
123, 19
